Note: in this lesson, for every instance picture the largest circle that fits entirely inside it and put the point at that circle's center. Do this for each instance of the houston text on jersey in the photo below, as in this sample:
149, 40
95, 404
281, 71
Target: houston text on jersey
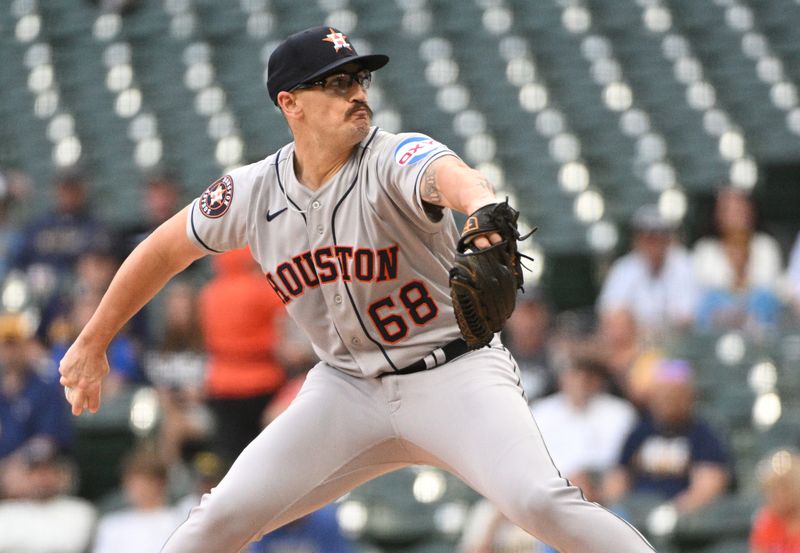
324, 265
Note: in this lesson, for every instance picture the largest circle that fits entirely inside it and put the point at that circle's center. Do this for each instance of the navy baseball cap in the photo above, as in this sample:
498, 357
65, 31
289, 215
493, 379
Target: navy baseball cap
313, 53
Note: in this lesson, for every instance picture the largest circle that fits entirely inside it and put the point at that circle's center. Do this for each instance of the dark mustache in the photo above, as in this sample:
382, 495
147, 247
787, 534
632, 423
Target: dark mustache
358, 106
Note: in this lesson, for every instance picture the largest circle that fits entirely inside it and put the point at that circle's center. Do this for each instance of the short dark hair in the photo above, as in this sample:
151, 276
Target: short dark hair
74, 176
590, 365
146, 461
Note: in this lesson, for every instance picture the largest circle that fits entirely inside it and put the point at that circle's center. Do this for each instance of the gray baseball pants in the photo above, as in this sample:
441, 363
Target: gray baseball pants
468, 417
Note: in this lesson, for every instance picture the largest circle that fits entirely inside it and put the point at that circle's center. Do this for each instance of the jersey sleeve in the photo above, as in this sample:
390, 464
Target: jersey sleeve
217, 220
402, 164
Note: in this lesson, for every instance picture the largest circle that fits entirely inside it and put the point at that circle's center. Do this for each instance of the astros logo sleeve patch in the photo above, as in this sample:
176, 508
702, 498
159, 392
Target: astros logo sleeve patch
217, 198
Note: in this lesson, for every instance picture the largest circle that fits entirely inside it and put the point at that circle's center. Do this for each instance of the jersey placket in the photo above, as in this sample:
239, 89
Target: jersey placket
318, 216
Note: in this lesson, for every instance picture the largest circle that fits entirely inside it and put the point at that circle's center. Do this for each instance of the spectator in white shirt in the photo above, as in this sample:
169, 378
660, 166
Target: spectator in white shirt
149, 521
739, 269
43, 516
585, 428
583, 425
654, 282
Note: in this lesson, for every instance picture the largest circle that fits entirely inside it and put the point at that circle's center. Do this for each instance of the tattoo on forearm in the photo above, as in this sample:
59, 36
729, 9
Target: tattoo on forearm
430, 190
486, 185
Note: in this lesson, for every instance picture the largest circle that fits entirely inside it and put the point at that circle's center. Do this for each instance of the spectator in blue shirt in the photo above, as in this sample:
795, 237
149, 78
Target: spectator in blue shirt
31, 405
123, 353
50, 246
672, 453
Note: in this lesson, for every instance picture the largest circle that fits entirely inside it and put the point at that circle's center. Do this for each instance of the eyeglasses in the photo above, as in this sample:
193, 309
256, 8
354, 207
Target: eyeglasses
340, 83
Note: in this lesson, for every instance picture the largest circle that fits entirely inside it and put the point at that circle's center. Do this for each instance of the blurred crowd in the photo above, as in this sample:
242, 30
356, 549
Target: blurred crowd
214, 346
223, 361
619, 415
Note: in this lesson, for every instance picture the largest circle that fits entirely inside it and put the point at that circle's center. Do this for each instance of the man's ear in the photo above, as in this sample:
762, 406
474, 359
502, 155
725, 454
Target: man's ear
288, 104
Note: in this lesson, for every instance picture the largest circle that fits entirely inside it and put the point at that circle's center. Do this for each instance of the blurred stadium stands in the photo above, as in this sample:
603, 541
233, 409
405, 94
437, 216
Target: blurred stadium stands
616, 101
581, 110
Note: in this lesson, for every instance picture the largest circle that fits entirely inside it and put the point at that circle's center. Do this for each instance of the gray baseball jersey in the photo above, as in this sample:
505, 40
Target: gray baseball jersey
359, 264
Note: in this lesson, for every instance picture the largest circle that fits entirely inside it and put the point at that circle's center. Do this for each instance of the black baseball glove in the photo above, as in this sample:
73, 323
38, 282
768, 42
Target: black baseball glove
484, 283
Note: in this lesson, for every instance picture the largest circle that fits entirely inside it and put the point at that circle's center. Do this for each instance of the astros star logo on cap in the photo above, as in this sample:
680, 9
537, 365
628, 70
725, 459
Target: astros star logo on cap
339, 40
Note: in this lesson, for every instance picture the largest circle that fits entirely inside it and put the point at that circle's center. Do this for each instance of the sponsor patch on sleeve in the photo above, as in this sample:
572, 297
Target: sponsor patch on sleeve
217, 198
413, 149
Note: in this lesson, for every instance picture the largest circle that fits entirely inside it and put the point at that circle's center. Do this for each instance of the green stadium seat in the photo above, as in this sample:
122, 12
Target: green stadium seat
395, 517
731, 546
102, 440
729, 518
424, 547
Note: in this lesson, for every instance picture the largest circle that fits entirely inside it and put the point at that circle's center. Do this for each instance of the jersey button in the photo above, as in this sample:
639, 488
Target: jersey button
320, 229
337, 298
356, 341
316, 205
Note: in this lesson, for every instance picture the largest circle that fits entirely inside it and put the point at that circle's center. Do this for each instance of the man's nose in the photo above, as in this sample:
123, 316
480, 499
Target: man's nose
358, 93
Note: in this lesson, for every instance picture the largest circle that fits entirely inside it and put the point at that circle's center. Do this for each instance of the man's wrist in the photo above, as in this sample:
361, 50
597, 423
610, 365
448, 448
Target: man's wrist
92, 341
478, 203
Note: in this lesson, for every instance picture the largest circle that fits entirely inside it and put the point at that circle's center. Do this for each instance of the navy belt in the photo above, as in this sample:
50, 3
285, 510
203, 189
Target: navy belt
437, 357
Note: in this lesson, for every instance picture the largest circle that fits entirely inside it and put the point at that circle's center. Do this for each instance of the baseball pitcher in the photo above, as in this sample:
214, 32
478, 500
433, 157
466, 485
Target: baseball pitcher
353, 230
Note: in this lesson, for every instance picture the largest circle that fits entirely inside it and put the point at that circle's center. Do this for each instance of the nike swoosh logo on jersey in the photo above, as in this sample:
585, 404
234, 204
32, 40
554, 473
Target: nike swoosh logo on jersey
271, 216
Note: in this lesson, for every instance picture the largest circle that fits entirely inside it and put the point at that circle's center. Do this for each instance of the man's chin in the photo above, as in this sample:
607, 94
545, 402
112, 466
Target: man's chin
361, 126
